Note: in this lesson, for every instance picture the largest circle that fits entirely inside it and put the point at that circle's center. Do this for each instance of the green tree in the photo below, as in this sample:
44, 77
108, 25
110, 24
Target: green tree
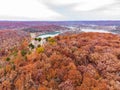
23, 52
7, 59
39, 39
31, 46
47, 38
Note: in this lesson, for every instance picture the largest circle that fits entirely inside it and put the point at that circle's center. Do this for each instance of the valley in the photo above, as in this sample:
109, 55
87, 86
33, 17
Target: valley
60, 55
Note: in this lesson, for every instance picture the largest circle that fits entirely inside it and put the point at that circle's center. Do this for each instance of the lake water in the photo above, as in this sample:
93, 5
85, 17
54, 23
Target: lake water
53, 34
50, 34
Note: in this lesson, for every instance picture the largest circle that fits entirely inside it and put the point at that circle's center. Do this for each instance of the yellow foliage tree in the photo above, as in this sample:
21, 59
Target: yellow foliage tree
40, 49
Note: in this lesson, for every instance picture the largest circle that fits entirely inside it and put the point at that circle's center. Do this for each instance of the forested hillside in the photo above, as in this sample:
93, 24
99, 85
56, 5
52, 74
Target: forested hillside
11, 39
45, 28
86, 61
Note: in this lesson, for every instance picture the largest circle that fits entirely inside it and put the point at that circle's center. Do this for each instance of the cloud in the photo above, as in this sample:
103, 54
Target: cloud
80, 5
92, 4
59, 10
29, 9
86, 9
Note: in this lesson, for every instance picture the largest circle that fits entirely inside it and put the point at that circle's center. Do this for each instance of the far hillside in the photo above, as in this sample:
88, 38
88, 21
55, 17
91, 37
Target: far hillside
45, 28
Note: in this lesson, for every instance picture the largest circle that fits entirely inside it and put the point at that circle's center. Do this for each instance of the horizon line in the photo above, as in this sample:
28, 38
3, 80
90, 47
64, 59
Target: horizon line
52, 20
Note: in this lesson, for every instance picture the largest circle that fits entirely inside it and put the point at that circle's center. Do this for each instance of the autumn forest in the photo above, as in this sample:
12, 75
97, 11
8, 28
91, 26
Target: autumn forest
85, 61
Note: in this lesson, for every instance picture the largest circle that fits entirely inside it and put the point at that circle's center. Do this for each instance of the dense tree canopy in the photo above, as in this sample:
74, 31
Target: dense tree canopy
86, 61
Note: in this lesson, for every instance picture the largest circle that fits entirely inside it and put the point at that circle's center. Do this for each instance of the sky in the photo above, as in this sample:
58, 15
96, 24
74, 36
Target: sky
59, 10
